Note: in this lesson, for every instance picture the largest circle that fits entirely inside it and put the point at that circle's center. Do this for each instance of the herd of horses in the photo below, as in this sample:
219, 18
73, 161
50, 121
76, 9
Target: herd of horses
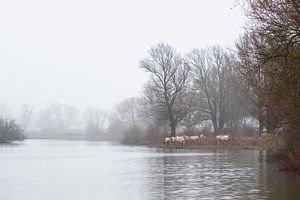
184, 139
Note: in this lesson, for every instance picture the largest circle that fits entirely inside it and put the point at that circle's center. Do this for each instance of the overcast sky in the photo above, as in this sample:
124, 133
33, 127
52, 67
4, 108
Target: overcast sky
87, 52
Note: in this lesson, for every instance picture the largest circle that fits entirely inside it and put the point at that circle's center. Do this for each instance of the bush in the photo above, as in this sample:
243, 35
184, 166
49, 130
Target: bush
10, 131
153, 136
133, 136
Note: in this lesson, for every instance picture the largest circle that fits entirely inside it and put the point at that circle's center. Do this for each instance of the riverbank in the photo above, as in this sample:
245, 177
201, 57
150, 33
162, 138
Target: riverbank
5, 142
284, 150
264, 142
213, 147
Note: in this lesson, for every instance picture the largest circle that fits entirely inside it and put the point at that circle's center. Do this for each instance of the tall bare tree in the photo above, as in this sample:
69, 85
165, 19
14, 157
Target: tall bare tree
168, 84
211, 70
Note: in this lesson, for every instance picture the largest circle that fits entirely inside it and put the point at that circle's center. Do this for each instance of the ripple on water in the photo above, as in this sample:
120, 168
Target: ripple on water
86, 170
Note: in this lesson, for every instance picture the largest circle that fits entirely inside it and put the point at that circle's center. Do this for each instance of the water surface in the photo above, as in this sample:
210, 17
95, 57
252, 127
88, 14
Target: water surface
78, 170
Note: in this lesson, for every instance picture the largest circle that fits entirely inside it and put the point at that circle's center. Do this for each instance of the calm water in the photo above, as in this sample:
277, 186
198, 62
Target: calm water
73, 170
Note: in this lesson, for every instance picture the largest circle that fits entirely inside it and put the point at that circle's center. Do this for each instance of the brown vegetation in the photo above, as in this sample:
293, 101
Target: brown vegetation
270, 62
261, 142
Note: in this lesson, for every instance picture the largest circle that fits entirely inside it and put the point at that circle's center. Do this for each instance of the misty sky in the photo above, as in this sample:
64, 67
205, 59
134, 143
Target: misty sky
87, 52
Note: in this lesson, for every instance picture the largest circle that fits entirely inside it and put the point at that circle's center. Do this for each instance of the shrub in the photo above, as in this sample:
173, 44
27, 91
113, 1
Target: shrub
133, 136
10, 131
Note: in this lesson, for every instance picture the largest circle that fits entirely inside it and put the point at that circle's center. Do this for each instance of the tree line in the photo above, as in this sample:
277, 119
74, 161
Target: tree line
202, 85
259, 79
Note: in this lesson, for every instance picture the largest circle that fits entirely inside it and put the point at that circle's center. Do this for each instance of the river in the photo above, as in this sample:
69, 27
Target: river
80, 170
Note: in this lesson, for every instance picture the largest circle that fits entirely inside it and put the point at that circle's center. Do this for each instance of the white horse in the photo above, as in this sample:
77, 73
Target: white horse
179, 139
194, 138
167, 140
222, 138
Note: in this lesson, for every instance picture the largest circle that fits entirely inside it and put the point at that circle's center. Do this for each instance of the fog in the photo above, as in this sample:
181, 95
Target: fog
87, 53
161, 99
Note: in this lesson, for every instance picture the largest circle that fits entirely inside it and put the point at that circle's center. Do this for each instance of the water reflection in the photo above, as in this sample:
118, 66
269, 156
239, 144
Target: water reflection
83, 170
223, 174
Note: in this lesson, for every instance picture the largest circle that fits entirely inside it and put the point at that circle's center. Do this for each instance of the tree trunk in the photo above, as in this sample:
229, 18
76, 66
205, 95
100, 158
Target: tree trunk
173, 129
221, 117
215, 123
260, 118
268, 119
221, 123
261, 125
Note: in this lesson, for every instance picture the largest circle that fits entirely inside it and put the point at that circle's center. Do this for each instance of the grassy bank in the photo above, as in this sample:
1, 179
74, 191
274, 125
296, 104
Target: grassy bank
266, 142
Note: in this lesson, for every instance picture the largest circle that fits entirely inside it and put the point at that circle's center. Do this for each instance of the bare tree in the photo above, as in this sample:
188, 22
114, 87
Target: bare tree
58, 117
211, 70
168, 85
240, 106
71, 117
194, 116
131, 116
95, 121
26, 116
115, 128
191, 120
6, 111
129, 112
